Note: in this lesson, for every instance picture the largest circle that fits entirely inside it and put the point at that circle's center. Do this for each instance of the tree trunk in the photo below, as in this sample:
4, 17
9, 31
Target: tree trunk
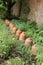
9, 4
20, 8
8, 10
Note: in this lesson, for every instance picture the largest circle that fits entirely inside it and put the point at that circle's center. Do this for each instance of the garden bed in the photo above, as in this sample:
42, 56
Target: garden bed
12, 50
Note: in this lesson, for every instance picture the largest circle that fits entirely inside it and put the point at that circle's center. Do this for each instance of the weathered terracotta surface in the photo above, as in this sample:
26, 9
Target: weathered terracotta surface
7, 21
18, 32
34, 49
29, 42
11, 25
14, 29
22, 36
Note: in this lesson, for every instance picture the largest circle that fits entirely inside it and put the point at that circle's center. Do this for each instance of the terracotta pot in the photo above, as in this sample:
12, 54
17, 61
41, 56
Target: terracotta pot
18, 32
29, 42
14, 29
7, 21
22, 36
11, 26
34, 49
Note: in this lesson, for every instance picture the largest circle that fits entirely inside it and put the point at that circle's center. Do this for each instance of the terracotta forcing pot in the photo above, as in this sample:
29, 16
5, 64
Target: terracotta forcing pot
11, 26
14, 29
22, 36
18, 32
34, 49
29, 42
7, 21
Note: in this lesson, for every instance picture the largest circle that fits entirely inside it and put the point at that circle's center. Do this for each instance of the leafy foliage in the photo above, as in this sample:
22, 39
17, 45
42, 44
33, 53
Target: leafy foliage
23, 52
32, 30
9, 43
16, 61
39, 55
6, 39
5, 7
25, 26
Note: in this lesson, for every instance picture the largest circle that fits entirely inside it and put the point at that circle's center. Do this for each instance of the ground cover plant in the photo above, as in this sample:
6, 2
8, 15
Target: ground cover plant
6, 39
31, 29
34, 31
14, 50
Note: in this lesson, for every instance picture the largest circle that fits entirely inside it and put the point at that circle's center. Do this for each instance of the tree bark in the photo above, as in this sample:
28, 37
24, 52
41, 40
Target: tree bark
20, 8
8, 4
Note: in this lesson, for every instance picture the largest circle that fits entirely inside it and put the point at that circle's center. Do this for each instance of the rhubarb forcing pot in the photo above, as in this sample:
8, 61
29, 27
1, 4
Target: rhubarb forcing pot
35, 49
11, 26
7, 21
29, 42
22, 36
18, 32
14, 29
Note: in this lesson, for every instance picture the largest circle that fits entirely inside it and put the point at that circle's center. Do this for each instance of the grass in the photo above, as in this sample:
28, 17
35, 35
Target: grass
8, 40
31, 29
34, 31
16, 61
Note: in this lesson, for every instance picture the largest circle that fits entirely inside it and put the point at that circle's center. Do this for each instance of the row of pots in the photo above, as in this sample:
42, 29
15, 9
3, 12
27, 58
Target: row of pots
22, 36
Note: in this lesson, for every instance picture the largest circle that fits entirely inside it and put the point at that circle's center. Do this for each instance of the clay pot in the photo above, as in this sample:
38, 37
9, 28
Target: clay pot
14, 29
29, 42
34, 49
7, 21
22, 36
18, 32
11, 26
